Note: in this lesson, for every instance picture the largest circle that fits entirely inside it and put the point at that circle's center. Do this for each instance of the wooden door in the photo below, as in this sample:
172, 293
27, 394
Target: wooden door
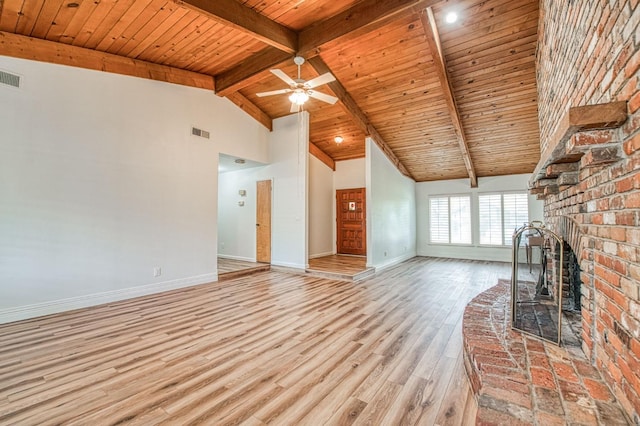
351, 221
263, 221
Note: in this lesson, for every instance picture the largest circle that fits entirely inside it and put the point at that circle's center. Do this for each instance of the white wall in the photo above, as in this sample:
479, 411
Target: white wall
391, 211
101, 182
461, 186
321, 209
289, 145
350, 174
288, 148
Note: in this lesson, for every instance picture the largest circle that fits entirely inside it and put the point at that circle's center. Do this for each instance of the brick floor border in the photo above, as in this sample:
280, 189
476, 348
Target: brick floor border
520, 380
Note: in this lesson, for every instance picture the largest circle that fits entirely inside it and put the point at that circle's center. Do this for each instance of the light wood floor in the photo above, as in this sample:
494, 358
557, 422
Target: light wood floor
269, 348
340, 264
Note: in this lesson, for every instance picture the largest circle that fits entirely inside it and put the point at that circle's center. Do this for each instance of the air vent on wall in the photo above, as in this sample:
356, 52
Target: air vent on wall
199, 132
9, 79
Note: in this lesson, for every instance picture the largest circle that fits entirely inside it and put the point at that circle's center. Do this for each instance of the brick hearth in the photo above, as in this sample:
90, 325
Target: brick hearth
520, 380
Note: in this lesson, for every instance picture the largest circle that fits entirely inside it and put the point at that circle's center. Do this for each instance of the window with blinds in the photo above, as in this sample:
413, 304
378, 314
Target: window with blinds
439, 223
499, 215
515, 213
450, 219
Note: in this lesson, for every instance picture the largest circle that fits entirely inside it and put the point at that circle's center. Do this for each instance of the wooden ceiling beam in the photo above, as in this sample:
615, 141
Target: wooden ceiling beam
248, 71
24, 47
247, 20
440, 65
322, 156
362, 18
252, 109
350, 106
358, 20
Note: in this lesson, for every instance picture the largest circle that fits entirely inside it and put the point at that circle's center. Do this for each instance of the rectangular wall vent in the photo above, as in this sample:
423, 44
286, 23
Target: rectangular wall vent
199, 132
9, 79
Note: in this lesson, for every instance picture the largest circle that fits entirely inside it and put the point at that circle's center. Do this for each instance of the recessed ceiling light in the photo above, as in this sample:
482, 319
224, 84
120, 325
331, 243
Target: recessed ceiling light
451, 17
338, 139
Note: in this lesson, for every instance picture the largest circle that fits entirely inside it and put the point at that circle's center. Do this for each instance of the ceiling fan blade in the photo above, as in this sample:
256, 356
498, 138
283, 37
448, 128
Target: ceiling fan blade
320, 80
322, 97
284, 77
273, 92
294, 107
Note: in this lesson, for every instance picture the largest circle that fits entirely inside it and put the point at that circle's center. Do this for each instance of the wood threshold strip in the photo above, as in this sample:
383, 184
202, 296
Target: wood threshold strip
350, 106
247, 20
588, 117
322, 156
252, 109
24, 47
433, 40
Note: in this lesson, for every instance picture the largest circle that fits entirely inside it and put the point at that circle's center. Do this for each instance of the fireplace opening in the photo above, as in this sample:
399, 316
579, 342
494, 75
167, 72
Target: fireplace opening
571, 281
571, 297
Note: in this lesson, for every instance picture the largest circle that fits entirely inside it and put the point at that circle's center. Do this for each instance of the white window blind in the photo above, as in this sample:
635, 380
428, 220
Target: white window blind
490, 211
450, 219
439, 223
460, 223
515, 213
500, 214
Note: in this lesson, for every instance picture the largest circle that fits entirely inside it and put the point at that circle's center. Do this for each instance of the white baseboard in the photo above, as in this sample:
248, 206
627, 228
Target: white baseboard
328, 253
245, 259
393, 262
288, 268
495, 254
56, 306
293, 266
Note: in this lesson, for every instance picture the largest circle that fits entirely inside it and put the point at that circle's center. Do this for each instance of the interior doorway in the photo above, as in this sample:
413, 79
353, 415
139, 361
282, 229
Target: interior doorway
263, 221
236, 220
351, 225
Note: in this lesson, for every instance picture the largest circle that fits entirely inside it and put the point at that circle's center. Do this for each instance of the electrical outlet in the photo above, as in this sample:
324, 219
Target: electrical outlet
221, 245
157, 271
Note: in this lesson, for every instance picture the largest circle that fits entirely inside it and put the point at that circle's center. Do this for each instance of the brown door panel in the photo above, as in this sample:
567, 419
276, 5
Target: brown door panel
351, 221
263, 221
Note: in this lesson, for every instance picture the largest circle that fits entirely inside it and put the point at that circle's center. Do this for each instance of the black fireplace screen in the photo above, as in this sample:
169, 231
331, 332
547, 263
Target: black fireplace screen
537, 282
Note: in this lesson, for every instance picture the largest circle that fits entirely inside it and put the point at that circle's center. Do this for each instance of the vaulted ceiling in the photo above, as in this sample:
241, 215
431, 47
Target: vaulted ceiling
444, 101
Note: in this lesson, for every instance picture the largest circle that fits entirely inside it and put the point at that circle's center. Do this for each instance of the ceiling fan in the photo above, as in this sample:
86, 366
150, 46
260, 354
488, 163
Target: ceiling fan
300, 89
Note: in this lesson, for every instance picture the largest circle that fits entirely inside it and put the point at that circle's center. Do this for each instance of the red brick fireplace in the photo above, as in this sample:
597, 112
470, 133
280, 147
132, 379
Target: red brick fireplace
589, 173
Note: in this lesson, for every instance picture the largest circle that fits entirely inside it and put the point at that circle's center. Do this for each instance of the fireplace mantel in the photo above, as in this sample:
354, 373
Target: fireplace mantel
585, 137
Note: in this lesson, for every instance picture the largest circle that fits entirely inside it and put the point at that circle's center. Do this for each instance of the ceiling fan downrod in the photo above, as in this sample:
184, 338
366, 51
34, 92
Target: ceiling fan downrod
298, 60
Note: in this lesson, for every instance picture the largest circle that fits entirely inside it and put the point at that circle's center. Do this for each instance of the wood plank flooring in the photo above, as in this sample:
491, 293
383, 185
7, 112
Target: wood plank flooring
339, 264
340, 267
270, 348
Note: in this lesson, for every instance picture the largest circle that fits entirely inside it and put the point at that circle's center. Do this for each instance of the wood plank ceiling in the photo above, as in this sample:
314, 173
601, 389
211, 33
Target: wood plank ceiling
444, 101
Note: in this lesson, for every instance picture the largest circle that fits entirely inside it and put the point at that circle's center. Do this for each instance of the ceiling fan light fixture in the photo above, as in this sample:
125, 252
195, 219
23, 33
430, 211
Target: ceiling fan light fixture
299, 97
338, 139
301, 90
